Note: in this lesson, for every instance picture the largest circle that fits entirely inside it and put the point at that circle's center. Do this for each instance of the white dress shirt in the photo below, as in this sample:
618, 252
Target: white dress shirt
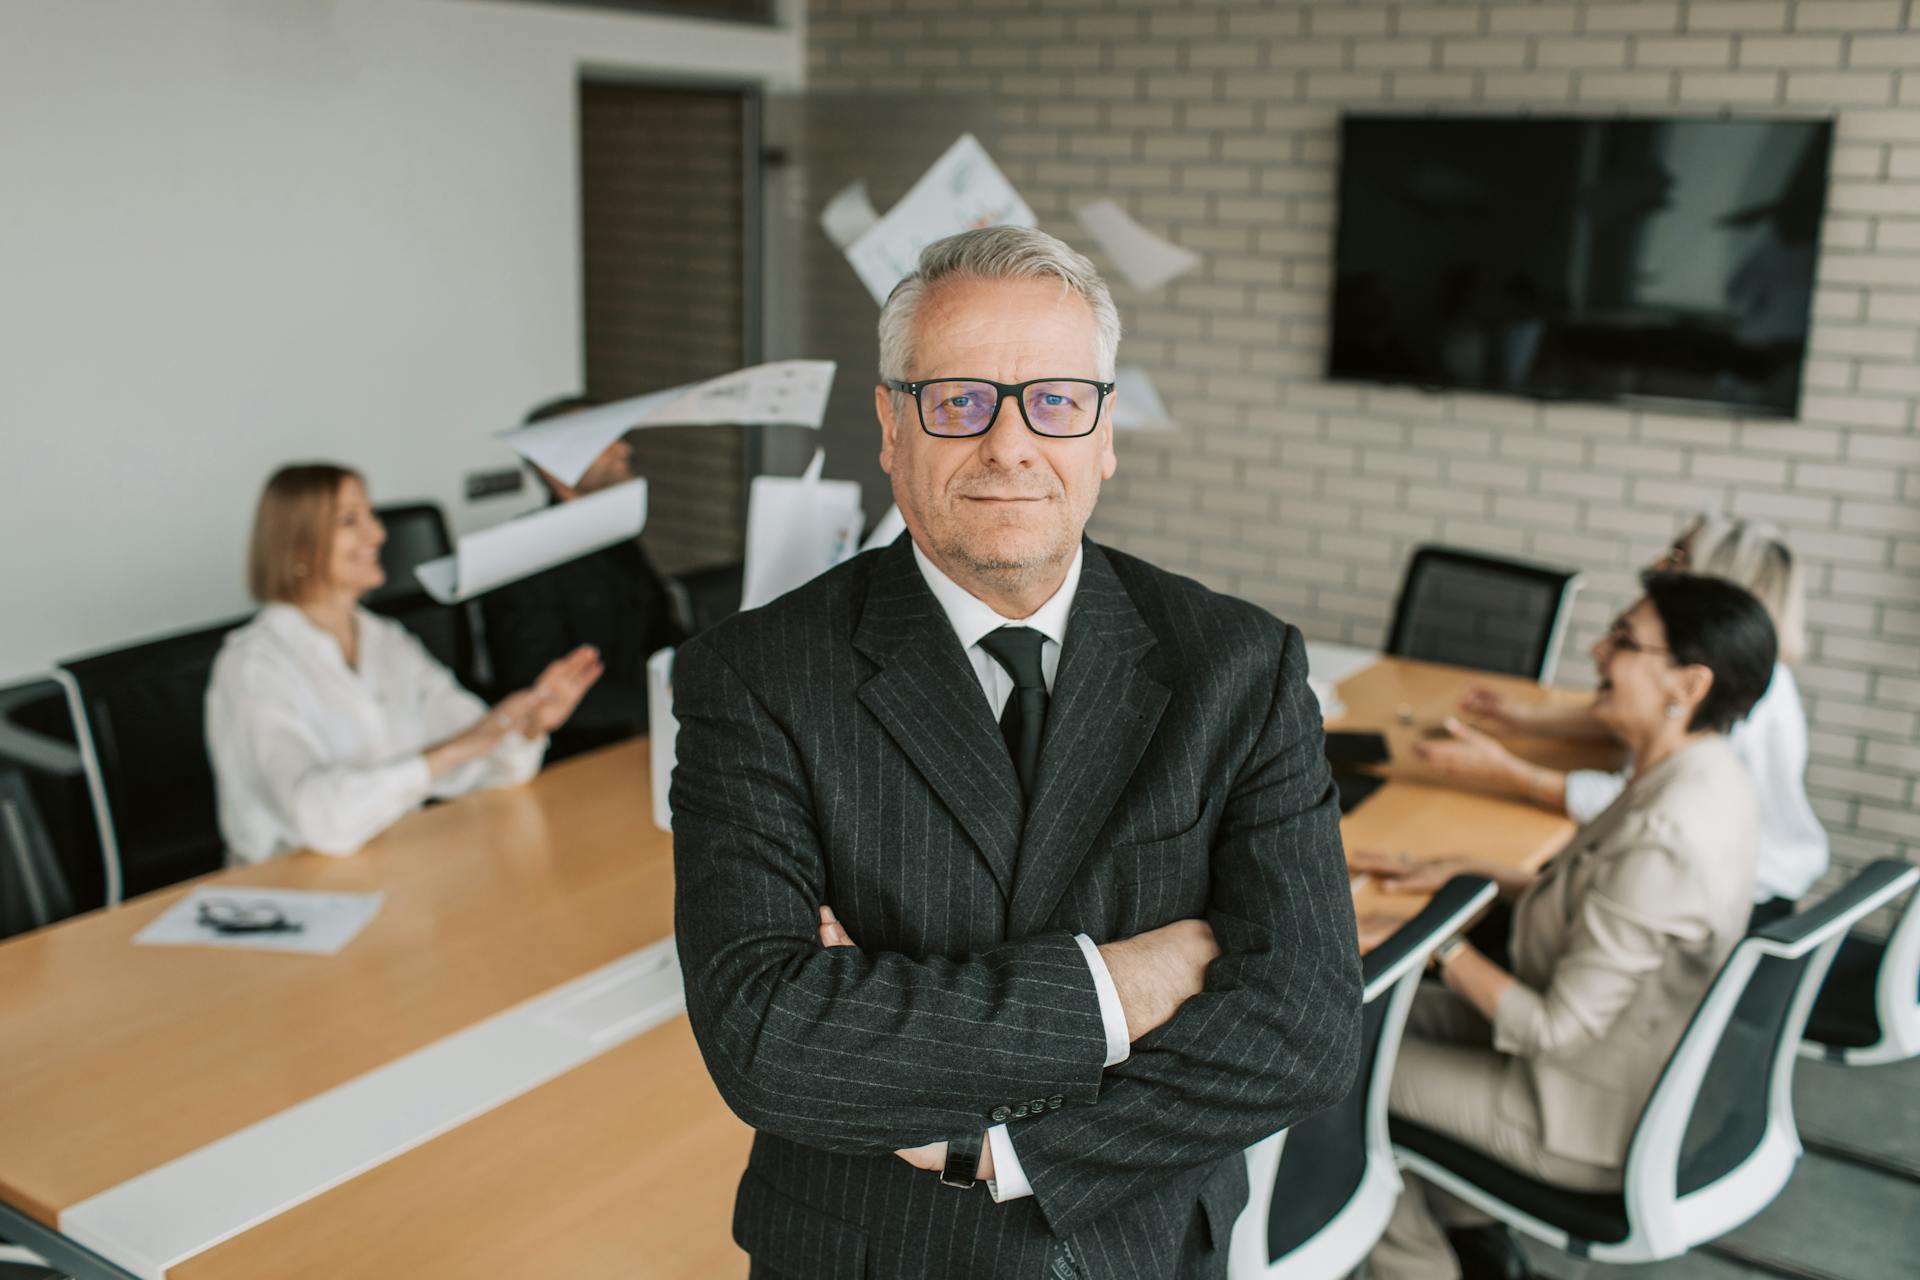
973, 619
311, 753
1771, 742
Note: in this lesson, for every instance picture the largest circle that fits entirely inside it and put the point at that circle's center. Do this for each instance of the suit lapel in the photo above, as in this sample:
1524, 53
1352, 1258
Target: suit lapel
1104, 709
928, 699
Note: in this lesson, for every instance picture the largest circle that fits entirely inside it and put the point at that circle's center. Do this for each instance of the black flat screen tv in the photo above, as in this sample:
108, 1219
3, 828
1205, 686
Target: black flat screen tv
1642, 261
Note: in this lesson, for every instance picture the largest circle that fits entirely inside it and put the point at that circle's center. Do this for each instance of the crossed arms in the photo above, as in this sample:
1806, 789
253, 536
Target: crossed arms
867, 1052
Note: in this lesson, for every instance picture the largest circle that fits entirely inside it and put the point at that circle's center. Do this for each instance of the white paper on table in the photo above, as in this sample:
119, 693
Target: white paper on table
891, 526
540, 540
963, 190
848, 215
1147, 261
663, 731
328, 920
798, 527
1136, 404
786, 392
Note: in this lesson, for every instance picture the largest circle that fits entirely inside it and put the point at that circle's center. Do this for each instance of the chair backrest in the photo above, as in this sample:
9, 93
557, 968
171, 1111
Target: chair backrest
1310, 1189
33, 889
1721, 1116
417, 533
708, 595
140, 716
1896, 996
1468, 609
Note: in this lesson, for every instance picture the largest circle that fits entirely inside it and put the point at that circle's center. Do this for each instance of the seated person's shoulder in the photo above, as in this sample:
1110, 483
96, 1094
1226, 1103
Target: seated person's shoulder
1694, 824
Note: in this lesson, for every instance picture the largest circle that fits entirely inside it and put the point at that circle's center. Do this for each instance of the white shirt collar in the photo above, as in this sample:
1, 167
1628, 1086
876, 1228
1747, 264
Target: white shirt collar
973, 617
291, 623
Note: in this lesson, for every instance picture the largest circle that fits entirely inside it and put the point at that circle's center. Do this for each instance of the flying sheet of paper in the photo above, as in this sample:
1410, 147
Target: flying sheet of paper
328, 921
891, 526
788, 392
562, 532
1136, 404
964, 189
1147, 261
798, 527
848, 215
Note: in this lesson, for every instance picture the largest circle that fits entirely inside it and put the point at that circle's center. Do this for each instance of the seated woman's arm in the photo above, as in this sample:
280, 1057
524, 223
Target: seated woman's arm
474, 747
1637, 908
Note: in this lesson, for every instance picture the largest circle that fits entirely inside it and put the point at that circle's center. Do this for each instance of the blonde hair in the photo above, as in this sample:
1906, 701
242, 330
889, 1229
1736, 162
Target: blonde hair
288, 552
1752, 554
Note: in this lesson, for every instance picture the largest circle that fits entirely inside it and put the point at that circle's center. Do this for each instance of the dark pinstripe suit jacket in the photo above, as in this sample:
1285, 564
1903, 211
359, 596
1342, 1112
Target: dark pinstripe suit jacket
835, 747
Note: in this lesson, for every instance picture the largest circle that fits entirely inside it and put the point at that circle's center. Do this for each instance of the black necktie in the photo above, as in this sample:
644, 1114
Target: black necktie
1018, 650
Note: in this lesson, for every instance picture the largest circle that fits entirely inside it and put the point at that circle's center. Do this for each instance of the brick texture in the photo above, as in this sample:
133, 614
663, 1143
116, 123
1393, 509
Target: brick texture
1215, 125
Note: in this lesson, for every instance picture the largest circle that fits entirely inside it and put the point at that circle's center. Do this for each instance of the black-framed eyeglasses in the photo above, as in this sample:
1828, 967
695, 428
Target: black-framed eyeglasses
1619, 637
230, 915
955, 408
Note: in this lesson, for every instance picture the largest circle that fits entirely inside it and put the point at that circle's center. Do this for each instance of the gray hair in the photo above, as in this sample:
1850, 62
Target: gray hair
1752, 554
996, 253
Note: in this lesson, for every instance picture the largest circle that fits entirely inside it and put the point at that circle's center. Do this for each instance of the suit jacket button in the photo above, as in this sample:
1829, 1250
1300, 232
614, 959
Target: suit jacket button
1053, 1103
1037, 1105
1020, 1111
1001, 1115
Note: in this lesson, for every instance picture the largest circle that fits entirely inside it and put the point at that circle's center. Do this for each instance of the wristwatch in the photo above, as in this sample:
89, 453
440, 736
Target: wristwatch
1444, 952
963, 1161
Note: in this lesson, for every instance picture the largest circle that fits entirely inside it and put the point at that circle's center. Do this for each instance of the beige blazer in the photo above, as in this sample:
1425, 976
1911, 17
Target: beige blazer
1616, 943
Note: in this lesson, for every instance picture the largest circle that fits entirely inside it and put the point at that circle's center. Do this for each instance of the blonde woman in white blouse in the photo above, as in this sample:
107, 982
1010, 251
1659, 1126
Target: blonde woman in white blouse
325, 722
1771, 742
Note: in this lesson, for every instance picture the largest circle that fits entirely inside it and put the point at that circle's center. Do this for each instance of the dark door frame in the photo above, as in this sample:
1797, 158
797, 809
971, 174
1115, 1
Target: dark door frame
753, 238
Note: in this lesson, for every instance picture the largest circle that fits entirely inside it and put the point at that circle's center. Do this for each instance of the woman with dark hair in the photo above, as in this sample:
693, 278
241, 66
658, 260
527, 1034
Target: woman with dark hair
1771, 741
1614, 942
325, 722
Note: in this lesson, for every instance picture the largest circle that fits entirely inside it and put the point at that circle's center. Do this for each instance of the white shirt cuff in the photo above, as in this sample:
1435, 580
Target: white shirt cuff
1009, 1180
1112, 1016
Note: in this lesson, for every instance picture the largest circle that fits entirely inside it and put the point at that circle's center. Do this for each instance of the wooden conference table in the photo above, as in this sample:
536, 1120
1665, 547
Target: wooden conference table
116, 1060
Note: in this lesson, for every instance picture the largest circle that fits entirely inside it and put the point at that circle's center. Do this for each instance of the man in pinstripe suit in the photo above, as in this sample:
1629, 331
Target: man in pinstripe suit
1002, 855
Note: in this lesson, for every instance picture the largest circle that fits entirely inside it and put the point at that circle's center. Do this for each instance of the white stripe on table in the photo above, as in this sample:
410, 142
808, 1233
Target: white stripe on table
168, 1214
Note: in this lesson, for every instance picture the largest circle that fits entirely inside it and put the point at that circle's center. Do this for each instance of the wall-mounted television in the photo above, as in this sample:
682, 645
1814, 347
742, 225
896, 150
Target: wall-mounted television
1641, 261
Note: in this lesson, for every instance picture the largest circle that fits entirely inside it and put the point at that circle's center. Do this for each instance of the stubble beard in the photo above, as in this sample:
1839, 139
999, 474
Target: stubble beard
1009, 572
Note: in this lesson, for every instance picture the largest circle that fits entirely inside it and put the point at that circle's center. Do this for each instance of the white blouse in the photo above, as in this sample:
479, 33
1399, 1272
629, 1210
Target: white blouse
310, 753
1772, 743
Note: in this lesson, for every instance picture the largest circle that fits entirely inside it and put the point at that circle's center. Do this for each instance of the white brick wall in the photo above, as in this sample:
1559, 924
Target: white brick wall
1215, 125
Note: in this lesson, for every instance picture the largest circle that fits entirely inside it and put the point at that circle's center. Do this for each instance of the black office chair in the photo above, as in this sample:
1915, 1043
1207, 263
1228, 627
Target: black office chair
1468, 609
140, 715
33, 888
1321, 1192
1717, 1140
417, 533
704, 596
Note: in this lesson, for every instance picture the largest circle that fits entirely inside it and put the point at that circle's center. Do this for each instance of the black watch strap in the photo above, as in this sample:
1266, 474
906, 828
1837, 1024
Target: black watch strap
963, 1162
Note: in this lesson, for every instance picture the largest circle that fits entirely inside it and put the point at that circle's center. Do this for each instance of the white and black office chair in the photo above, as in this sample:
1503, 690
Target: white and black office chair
1717, 1140
20, 1263
1320, 1194
1868, 1011
1470, 609
1868, 1015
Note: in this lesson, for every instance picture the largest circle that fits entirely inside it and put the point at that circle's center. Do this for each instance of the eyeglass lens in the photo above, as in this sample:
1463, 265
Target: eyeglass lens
1058, 408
